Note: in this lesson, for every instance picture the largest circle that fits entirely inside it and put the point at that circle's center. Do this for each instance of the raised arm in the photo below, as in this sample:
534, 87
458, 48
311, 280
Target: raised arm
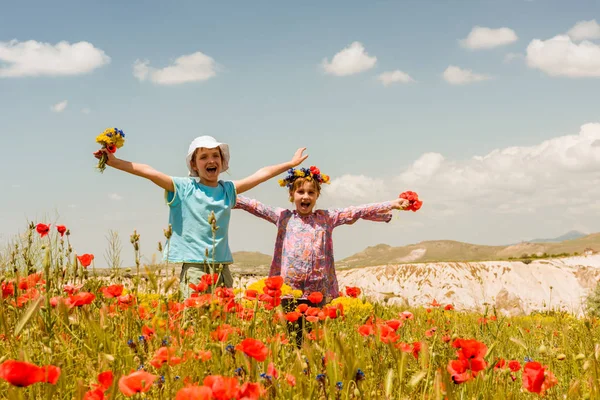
379, 212
143, 170
258, 209
269, 172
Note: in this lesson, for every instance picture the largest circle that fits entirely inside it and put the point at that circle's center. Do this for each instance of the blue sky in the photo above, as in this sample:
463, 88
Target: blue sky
499, 154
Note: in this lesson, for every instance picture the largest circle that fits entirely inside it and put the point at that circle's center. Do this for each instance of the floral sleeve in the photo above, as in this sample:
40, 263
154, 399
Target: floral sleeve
379, 212
258, 209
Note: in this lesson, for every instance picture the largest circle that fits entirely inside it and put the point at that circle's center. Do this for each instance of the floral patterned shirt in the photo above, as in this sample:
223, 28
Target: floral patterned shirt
304, 247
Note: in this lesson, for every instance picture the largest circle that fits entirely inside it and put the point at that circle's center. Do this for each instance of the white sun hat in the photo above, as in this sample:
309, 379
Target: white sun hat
208, 142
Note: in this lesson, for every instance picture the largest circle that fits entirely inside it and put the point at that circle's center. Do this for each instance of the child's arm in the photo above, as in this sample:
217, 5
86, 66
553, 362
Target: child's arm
143, 170
267, 173
258, 209
379, 212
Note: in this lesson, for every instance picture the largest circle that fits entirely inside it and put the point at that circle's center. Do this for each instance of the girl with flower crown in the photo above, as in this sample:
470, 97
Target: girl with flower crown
193, 200
303, 253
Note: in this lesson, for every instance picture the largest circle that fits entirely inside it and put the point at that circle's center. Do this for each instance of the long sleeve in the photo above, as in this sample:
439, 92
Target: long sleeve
379, 212
258, 209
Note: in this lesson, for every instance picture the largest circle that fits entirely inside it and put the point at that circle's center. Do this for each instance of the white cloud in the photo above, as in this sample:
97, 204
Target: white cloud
59, 107
560, 56
193, 67
585, 30
351, 60
559, 172
510, 57
481, 37
86, 110
355, 187
397, 76
458, 76
31, 58
115, 196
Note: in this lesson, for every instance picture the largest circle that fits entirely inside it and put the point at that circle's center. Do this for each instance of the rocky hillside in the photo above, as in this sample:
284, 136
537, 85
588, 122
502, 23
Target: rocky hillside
512, 287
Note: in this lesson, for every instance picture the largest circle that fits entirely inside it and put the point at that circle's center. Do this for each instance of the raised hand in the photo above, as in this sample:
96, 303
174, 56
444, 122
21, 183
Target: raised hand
400, 204
299, 157
107, 155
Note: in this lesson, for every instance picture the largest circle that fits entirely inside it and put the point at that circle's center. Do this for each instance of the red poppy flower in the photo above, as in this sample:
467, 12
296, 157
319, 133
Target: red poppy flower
105, 379
85, 259
165, 355
293, 316
210, 279
314, 170
80, 299
204, 355
331, 312
111, 148
366, 329
71, 289
112, 291
136, 382
222, 332
254, 348
290, 379
30, 281
8, 289
272, 292
416, 349
94, 394
20, 373
274, 282
387, 334
223, 388
514, 365
315, 297
406, 315
61, 229
536, 378
449, 307
394, 324
352, 291
194, 393
199, 288
251, 294
42, 229
251, 391
500, 364
271, 370
302, 307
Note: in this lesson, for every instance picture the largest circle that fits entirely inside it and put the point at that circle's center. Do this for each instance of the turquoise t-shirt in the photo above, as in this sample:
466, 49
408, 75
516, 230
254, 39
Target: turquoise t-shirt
189, 208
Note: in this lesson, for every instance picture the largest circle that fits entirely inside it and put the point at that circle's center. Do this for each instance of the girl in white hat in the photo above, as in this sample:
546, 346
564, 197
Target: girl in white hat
193, 199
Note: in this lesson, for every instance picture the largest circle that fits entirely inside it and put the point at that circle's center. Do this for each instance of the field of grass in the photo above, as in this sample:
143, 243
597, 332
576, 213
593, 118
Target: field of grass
68, 334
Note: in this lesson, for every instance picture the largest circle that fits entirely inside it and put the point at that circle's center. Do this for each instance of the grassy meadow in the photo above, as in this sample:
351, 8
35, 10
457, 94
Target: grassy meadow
68, 333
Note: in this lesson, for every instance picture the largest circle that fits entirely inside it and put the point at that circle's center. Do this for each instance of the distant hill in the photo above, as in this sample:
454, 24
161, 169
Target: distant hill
255, 263
567, 236
449, 250
250, 263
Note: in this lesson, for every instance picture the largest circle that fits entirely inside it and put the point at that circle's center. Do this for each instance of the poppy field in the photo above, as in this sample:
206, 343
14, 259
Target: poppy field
69, 332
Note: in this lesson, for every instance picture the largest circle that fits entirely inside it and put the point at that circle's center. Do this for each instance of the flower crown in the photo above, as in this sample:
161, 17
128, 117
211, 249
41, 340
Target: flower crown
312, 173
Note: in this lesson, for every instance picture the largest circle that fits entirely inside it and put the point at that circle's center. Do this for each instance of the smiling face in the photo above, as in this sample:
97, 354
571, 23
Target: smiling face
304, 195
208, 164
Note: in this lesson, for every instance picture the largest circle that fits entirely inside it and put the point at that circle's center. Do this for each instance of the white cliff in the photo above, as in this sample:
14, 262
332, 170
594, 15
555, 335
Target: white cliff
511, 286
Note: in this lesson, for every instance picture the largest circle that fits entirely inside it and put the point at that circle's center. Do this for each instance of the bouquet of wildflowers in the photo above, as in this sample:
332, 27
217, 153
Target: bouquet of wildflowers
111, 140
413, 200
